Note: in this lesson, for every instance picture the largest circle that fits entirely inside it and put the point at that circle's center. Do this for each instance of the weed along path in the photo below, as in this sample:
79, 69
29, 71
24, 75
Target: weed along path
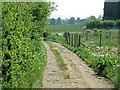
52, 75
66, 70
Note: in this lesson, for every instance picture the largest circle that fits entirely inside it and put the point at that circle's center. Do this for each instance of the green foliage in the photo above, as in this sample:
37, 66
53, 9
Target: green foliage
23, 53
118, 23
72, 20
59, 21
97, 23
56, 38
78, 20
96, 32
108, 60
88, 30
53, 21
90, 24
60, 60
108, 23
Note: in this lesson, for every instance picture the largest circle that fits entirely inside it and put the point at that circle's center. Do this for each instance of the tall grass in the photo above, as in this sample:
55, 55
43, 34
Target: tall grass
59, 59
63, 28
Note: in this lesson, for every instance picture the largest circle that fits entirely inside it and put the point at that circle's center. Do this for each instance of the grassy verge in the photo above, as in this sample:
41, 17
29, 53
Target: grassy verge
0, 68
59, 59
39, 67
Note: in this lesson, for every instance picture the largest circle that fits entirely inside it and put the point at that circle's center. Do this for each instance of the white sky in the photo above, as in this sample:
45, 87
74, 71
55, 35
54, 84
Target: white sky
78, 8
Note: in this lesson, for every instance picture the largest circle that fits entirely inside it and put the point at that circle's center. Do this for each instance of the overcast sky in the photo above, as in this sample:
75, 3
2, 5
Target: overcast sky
78, 8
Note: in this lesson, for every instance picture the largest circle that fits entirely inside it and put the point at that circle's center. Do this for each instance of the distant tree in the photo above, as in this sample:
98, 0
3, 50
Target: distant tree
117, 23
98, 23
92, 17
111, 23
49, 21
100, 17
91, 22
72, 20
53, 21
66, 21
63, 21
108, 23
78, 20
59, 21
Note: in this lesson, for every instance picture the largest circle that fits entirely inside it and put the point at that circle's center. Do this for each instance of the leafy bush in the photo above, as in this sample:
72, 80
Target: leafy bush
23, 53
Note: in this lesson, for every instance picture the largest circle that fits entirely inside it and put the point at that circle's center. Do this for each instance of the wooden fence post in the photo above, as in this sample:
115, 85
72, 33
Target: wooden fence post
74, 40
68, 38
109, 33
100, 39
79, 40
65, 36
71, 39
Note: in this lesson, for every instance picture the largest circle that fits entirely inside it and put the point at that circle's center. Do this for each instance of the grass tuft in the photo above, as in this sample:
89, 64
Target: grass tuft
60, 60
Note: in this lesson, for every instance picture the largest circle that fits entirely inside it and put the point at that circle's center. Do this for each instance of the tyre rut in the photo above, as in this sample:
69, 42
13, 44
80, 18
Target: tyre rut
78, 75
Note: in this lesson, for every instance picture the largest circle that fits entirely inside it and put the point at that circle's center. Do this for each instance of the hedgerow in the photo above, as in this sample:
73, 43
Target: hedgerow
23, 54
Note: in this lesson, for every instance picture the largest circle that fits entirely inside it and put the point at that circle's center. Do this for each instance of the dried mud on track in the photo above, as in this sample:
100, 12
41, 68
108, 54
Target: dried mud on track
78, 74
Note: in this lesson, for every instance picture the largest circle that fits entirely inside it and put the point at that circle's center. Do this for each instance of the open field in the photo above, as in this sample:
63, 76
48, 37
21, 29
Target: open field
93, 36
63, 28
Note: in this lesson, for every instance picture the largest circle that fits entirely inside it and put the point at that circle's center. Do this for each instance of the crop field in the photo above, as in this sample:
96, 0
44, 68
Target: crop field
95, 52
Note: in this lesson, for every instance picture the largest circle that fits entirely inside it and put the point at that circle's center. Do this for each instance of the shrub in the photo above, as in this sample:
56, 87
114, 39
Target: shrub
23, 52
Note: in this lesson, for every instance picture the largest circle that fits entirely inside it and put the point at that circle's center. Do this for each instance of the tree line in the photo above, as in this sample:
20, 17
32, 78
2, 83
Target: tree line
60, 21
92, 22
